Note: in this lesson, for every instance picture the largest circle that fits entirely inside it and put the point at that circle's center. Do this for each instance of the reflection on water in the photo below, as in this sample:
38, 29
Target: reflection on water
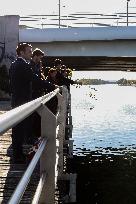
109, 121
104, 133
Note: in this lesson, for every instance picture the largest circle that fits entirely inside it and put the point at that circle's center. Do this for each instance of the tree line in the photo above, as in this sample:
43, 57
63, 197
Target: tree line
121, 82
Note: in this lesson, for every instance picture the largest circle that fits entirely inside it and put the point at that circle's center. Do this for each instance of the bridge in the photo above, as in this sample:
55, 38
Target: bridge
84, 49
81, 48
92, 48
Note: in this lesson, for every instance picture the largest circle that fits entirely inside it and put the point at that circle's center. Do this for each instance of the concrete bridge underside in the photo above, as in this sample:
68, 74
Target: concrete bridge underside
91, 55
111, 48
92, 63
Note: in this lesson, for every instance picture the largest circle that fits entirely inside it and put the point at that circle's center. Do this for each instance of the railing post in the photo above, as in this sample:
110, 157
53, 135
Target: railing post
48, 158
60, 135
61, 129
64, 104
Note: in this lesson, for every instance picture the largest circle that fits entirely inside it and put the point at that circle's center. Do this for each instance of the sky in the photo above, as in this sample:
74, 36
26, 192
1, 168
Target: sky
67, 7
27, 7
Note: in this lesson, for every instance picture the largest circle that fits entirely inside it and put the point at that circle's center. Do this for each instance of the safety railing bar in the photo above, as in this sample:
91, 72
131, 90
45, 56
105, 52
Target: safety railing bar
16, 115
19, 191
53, 93
39, 189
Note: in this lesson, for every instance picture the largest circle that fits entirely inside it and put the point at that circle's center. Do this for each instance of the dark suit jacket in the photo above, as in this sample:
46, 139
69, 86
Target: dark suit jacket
20, 82
39, 85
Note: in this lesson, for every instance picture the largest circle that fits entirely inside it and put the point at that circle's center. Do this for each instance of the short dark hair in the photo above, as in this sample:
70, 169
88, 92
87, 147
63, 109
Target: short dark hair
37, 52
22, 47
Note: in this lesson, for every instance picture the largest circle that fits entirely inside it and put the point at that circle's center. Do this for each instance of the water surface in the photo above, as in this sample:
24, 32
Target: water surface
104, 116
104, 133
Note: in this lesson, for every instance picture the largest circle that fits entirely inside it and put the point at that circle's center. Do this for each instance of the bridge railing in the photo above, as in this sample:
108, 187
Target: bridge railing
52, 134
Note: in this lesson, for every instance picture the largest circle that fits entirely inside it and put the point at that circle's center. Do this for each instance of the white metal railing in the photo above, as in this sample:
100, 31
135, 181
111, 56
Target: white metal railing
18, 193
14, 116
77, 19
47, 150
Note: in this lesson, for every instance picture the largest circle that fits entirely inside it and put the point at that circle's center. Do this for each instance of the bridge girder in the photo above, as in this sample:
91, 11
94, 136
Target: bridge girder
86, 63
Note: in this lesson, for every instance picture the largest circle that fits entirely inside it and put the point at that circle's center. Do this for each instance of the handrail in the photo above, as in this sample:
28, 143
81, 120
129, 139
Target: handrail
18, 193
16, 115
48, 133
39, 189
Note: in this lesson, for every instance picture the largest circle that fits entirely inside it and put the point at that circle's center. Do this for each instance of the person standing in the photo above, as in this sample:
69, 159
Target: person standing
21, 92
53, 103
60, 76
37, 89
40, 86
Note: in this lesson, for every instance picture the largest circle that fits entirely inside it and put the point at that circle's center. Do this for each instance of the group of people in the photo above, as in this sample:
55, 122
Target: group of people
28, 82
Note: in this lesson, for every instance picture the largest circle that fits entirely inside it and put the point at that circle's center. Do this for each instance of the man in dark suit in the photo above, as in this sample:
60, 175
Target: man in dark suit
40, 86
21, 92
37, 90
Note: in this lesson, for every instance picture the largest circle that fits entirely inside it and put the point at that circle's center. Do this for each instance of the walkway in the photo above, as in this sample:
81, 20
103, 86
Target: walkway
11, 173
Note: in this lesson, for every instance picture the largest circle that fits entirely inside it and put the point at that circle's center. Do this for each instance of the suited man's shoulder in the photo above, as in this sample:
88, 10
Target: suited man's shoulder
18, 60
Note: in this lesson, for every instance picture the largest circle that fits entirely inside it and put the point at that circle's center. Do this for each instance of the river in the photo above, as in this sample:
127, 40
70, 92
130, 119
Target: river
104, 116
104, 133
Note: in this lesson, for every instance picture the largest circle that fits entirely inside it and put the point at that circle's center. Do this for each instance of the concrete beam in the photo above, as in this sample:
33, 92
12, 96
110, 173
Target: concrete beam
83, 63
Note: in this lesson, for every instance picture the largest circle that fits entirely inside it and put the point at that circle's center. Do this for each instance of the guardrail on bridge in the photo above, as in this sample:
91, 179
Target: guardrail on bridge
50, 151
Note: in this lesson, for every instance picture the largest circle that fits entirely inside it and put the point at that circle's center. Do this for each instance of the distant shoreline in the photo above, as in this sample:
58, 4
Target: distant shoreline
120, 82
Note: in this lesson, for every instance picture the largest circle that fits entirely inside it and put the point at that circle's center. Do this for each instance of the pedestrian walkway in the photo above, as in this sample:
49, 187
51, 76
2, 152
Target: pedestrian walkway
11, 173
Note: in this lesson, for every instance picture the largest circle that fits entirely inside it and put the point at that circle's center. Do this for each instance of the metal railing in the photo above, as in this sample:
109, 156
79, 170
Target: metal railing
78, 19
45, 192
18, 193
16, 115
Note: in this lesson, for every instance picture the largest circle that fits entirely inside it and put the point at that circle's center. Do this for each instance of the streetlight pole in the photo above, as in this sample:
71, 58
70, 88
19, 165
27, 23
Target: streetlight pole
59, 13
127, 11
